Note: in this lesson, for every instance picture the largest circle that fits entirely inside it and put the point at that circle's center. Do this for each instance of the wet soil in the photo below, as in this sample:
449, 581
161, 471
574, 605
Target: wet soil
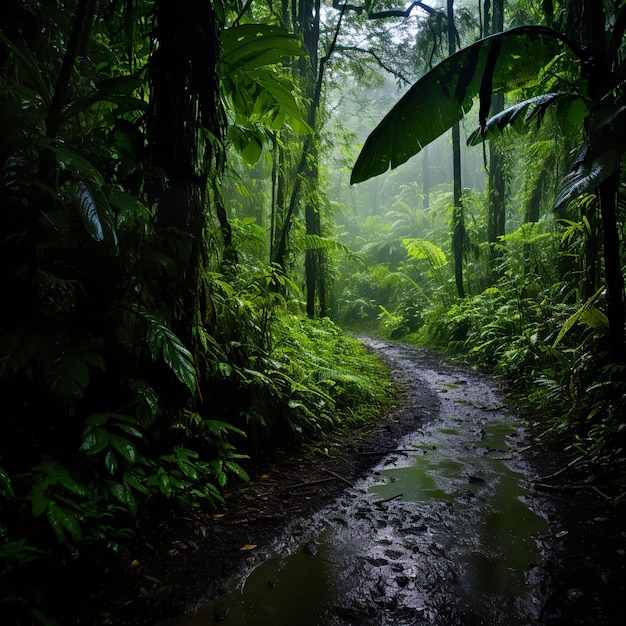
348, 501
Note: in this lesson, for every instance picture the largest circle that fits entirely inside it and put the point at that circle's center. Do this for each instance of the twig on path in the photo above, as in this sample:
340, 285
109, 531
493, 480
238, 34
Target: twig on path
382, 452
309, 483
379, 502
345, 480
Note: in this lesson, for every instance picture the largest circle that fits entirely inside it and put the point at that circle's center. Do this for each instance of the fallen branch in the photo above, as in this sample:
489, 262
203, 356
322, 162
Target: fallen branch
562, 470
345, 480
557, 488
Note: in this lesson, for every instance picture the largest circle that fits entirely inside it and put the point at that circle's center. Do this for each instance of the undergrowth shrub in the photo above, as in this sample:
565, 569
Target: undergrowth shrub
551, 354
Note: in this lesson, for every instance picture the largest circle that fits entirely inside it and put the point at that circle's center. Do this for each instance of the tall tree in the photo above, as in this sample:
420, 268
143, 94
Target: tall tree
186, 135
458, 216
496, 217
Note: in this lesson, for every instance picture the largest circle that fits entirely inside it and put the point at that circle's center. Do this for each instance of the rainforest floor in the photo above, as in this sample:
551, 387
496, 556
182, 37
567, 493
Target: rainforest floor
186, 560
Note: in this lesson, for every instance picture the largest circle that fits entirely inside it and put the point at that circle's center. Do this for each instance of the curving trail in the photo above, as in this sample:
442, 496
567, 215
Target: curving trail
445, 530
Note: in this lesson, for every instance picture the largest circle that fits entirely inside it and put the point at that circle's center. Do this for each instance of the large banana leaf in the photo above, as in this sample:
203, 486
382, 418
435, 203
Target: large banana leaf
440, 98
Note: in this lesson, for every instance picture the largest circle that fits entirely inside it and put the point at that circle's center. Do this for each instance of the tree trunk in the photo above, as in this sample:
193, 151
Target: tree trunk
458, 217
496, 217
76, 46
425, 178
594, 19
185, 97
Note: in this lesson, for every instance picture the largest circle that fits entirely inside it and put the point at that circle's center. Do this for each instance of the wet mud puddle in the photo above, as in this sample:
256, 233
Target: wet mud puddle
442, 531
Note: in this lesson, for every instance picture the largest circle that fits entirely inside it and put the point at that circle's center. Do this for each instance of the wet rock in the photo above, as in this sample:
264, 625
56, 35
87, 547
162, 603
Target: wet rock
310, 548
475, 480
402, 581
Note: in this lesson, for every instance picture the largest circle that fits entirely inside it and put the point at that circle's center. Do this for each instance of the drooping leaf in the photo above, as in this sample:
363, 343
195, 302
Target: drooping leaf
70, 159
96, 213
124, 494
110, 462
32, 67
446, 93
94, 440
110, 90
68, 377
126, 449
581, 315
61, 520
236, 469
585, 177
162, 340
147, 401
254, 45
251, 147
514, 116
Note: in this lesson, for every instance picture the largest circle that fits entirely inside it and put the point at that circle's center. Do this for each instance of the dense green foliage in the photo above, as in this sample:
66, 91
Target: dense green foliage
545, 303
149, 348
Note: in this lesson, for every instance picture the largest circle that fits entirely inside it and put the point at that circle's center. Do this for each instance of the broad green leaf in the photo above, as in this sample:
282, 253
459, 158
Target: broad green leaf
253, 149
236, 469
254, 45
130, 430
446, 93
125, 495
594, 318
178, 358
69, 376
133, 482
95, 440
164, 483
73, 486
188, 470
147, 401
98, 419
63, 520
126, 449
280, 91
217, 427
578, 316
108, 89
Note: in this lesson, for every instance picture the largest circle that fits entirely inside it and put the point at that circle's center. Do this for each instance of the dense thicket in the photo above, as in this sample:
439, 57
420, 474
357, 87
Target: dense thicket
148, 345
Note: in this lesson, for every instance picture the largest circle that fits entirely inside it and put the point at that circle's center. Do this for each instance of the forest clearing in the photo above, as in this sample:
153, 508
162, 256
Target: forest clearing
205, 202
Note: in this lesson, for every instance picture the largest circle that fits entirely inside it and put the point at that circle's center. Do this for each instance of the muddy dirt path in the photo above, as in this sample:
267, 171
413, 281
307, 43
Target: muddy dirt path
444, 530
